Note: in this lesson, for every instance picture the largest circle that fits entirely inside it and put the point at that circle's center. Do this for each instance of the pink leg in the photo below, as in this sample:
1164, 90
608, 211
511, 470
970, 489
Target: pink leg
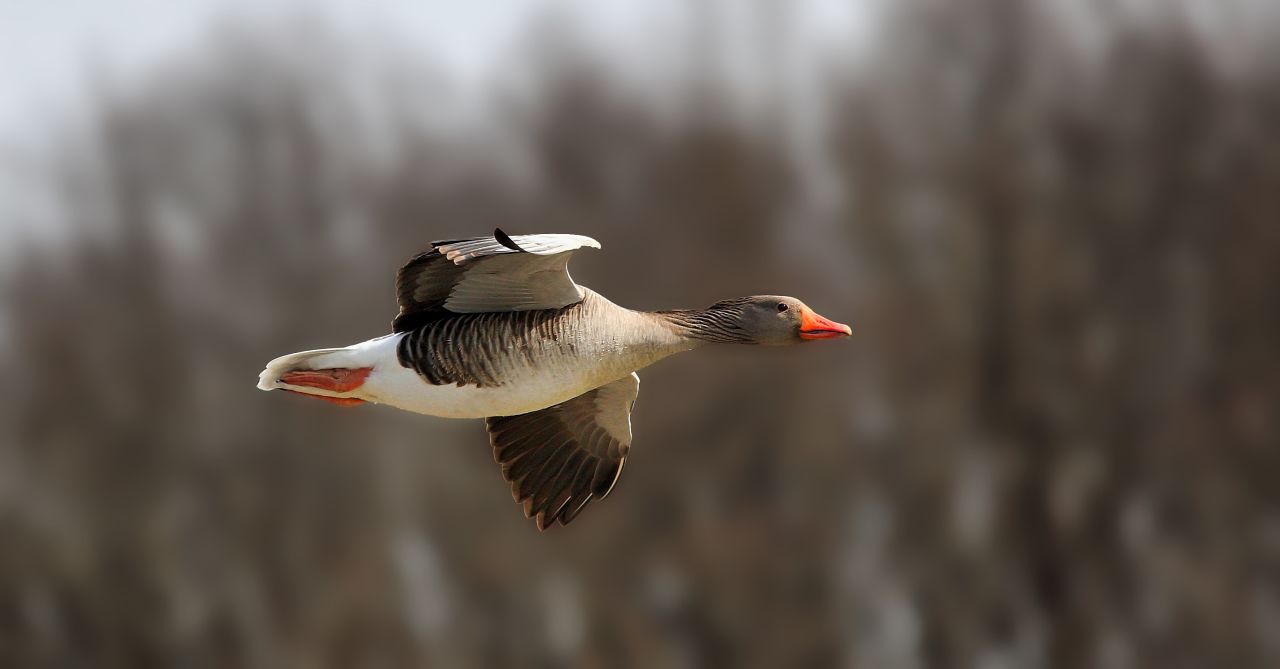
340, 401
332, 380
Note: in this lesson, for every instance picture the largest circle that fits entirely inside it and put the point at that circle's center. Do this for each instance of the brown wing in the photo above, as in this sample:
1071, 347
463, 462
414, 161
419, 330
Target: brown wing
498, 273
560, 458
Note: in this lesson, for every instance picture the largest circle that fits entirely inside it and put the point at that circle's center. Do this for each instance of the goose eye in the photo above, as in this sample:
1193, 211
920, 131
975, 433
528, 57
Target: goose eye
782, 307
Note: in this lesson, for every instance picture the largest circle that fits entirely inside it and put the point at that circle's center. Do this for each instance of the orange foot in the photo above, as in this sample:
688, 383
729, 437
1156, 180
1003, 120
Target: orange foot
332, 380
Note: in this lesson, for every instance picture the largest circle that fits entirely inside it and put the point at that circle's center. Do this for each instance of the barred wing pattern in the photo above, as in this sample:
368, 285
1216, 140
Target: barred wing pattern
560, 458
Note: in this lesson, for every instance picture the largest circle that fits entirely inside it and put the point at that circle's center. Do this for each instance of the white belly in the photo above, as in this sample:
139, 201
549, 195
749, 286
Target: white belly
398, 386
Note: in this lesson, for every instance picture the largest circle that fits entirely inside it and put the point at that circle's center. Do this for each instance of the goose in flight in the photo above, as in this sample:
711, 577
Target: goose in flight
494, 328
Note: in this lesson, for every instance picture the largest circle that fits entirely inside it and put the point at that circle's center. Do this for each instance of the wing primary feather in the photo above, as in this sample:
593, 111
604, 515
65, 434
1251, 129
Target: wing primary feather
546, 489
527, 464
527, 440
556, 492
550, 467
606, 476
505, 240
578, 492
446, 242
560, 458
574, 507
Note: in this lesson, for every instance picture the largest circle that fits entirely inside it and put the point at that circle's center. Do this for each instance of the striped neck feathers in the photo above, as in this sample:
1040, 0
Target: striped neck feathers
721, 323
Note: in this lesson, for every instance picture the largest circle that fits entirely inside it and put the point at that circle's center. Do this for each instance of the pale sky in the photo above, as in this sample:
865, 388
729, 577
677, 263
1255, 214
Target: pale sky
49, 45
54, 49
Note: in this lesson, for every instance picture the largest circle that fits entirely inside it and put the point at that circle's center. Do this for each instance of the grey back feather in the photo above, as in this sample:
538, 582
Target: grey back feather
485, 275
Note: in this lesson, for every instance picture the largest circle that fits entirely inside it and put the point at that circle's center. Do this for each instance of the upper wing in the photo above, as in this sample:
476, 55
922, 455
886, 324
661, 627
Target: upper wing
498, 273
559, 458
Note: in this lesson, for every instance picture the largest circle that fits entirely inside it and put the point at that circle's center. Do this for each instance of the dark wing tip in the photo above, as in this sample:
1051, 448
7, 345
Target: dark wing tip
444, 242
505, 240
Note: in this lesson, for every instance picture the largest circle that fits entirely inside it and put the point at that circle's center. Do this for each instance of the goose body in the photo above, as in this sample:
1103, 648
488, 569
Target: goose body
516, 363
494, 328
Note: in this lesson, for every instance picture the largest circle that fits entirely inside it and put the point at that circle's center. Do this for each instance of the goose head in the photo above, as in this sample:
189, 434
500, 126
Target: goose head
771, 320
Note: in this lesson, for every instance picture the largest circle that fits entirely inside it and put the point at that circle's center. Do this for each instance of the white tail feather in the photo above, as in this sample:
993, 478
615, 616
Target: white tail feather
323, 358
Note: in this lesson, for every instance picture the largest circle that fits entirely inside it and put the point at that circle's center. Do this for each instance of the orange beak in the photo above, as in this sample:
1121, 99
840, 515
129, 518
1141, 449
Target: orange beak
813, 326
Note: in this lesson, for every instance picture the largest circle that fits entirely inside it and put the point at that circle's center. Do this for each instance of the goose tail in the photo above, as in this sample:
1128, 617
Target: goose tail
328, 373
269, 379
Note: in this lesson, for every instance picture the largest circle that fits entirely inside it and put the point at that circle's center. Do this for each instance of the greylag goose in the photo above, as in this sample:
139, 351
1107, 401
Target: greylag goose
495, 328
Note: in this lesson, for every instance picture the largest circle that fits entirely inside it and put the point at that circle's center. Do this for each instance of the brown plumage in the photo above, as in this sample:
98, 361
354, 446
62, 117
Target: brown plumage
495, 328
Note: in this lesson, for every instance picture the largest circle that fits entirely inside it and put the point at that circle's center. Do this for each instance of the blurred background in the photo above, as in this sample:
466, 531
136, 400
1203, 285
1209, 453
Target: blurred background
1053, 440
